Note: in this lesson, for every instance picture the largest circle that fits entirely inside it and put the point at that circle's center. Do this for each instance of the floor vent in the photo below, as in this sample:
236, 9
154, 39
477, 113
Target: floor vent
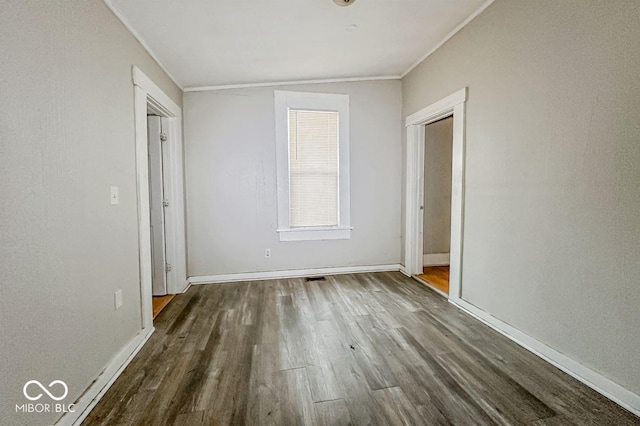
315, 279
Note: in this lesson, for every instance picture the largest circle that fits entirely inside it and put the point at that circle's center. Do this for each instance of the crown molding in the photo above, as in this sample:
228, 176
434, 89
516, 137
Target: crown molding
290, 83
112, 7
448, 36
110, 4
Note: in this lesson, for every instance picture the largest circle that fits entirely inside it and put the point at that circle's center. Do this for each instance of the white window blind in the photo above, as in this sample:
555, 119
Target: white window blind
313, 168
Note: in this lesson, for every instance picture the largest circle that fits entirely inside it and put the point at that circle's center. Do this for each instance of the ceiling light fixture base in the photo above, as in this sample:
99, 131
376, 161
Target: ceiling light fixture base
343, 3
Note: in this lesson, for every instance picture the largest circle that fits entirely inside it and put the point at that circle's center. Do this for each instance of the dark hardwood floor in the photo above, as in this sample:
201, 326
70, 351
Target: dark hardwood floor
354, 349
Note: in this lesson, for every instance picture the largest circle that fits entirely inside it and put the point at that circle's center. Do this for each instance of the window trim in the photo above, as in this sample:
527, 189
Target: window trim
285, 100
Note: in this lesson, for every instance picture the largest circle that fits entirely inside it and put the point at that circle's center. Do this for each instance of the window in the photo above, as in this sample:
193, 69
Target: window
312, 149
313, 168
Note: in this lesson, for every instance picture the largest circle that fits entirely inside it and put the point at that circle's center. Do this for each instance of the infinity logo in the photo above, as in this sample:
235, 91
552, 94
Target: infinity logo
37, 397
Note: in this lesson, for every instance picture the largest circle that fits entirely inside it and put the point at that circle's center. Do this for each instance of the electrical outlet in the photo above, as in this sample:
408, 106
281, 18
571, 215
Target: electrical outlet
117, 296
267, 253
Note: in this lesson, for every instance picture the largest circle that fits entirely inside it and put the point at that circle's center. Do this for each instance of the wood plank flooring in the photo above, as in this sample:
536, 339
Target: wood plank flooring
436, 276
159, 303
354, 349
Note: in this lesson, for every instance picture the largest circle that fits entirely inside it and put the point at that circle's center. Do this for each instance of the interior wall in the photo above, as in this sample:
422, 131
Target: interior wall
551, 228
437, 186
66, 136
231, 181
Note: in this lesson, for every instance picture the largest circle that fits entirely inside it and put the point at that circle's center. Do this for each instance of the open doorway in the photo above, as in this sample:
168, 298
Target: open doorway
452, 108
436, 204
163, 270
156, 137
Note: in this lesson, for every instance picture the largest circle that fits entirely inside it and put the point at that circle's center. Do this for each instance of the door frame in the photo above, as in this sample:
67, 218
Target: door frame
453, 105
147, 95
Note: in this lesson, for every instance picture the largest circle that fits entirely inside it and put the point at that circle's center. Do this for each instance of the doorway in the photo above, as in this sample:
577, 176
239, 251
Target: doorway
436, 204
452, 107
149, 99
159, 266
156, 138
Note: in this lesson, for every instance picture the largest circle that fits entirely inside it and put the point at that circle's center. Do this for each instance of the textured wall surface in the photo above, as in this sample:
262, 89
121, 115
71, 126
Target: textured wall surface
552, 230
231, 181
66, 135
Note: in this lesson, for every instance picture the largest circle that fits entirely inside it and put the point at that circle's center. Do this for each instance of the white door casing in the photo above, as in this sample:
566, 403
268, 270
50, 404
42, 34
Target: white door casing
147, 95
415, 124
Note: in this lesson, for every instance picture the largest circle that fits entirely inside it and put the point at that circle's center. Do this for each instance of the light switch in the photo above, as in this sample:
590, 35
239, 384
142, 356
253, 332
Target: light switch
118, 298
115, 196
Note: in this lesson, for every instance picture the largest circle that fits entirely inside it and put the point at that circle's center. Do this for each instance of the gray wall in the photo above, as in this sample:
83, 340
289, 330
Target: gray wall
231, 181
552, 223
437, 186
66, 135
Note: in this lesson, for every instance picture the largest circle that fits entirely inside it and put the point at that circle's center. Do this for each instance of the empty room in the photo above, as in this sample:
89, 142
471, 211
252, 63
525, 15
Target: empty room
320, 212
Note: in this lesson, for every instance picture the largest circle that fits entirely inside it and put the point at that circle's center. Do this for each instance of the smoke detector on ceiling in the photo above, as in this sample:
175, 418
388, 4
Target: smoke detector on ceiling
344, 2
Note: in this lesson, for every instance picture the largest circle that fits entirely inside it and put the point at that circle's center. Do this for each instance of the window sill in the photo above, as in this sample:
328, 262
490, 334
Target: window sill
311, 234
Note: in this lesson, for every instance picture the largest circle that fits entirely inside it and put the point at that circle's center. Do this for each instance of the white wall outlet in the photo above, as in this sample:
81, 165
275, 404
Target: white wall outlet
267, 253
115, 196
117, 296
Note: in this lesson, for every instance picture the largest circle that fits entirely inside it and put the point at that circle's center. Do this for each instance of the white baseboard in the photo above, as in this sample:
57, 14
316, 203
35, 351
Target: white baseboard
403, 269
103, 382
589, 377
292, 273
435, 259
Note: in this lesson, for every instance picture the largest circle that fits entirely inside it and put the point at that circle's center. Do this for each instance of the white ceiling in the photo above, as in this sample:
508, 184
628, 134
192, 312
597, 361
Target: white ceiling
221, 42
